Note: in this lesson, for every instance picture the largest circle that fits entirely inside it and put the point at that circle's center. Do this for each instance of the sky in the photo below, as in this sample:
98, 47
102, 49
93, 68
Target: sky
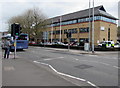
52, 8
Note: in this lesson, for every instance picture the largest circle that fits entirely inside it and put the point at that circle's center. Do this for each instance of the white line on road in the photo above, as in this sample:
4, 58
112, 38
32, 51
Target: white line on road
116, 67
93, 55
80, 79
9, 68
98, 62
53, 58
36, 62
91, 84
46, 59
60, 57
76, 59
101, 57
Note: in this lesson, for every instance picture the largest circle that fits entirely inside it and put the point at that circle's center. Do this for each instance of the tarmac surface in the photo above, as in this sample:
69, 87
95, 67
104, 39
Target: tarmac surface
23, 71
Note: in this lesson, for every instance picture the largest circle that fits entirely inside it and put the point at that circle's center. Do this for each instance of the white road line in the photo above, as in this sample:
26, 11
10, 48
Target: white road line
101, 57
80, 79
92, 84
116, 67
36, 62
53, 58
99, 62
47, 59
60, 57
76, 59
9, 68
93, 55
104, 63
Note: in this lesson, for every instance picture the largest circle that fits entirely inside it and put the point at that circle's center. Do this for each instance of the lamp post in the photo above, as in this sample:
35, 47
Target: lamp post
52, 31
93, 30
89, 25
60, 28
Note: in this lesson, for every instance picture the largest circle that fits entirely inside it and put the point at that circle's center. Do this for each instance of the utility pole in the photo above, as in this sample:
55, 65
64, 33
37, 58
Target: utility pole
52, 31
93, 30
60, 28
89, 24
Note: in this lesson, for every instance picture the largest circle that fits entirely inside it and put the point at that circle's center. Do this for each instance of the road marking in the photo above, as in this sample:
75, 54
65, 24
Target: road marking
101, 57
36, 62
76, 59
104, 63
93, 61
116, 67
9, 68
80, 79
53, 58
60, 57
100, 63
47, 59
92, 84
93, 55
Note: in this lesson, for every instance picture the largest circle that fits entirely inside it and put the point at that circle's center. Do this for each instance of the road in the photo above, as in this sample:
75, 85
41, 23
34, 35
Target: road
96, 70
101, 70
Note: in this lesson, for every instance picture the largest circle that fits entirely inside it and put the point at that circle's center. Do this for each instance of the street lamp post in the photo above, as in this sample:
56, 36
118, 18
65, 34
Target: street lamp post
89, 24
60, 28
93, 30
52, 31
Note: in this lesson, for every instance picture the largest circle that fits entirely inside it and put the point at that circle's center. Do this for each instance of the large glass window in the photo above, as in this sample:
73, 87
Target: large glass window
65, 31
82, 30
85, 20
74, 30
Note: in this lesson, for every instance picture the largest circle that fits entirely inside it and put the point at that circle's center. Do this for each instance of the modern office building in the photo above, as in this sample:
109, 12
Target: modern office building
105, 27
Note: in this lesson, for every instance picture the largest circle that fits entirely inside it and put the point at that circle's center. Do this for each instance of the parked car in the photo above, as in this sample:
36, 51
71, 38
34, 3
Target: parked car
101, 44
32, 42
117, 45
46, 43
57, 43
74, 44
107, 44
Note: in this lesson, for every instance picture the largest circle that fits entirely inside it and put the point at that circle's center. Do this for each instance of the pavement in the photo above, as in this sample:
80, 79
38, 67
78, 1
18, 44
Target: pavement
21, 72
85, 52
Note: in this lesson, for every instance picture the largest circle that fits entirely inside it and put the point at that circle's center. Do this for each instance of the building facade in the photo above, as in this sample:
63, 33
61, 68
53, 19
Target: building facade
119, 13
105, 27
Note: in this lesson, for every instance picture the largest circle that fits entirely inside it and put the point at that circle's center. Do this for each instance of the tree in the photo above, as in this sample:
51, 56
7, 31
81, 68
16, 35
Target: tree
32, 21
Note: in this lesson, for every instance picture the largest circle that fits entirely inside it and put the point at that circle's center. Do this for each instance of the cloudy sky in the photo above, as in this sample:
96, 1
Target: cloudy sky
52, 8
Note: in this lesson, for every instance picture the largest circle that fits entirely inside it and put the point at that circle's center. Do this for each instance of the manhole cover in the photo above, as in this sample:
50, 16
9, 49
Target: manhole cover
83, 66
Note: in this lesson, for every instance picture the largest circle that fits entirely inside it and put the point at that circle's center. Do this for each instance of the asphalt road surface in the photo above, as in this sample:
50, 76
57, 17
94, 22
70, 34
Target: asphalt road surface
97, 70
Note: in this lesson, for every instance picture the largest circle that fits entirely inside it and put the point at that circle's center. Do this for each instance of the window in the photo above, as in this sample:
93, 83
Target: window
108, 19
74, 30
58, 32
82, 30
65, 31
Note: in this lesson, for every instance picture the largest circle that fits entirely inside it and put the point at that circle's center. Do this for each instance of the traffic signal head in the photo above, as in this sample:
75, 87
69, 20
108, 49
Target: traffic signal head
15, 29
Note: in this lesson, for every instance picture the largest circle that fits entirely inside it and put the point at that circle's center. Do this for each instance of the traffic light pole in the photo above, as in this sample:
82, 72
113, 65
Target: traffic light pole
15, 47
68, 44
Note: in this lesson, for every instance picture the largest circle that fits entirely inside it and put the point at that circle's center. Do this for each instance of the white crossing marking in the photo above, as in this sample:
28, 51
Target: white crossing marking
9, 68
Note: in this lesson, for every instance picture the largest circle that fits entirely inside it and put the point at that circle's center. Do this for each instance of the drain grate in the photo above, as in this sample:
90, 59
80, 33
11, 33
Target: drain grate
83, 66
